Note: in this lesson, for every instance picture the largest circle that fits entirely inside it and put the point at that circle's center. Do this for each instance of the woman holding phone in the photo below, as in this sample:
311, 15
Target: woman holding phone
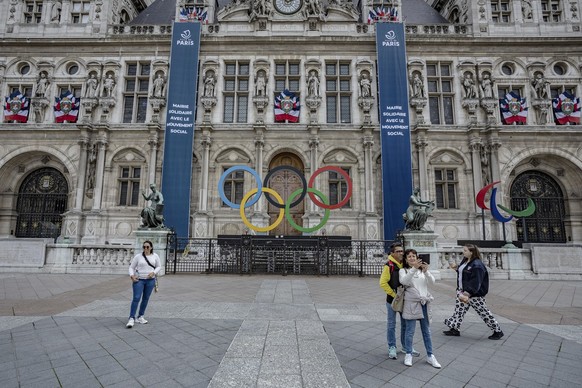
417, 298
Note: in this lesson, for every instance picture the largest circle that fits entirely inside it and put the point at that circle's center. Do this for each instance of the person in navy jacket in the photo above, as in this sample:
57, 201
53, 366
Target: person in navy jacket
472, 287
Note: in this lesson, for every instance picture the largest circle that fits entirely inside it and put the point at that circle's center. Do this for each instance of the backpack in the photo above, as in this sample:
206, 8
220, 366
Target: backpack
394, 281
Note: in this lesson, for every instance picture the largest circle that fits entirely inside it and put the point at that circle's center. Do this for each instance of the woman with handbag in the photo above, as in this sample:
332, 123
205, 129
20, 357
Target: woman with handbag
143, 270
417, 298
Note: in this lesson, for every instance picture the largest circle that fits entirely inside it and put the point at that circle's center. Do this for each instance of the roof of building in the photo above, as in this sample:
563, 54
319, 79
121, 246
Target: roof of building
163, 12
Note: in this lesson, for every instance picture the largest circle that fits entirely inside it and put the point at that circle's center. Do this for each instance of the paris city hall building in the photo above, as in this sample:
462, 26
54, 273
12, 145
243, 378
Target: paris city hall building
493, 100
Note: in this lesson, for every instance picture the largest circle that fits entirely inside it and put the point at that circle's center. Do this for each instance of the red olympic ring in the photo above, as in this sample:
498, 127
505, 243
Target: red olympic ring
339, 171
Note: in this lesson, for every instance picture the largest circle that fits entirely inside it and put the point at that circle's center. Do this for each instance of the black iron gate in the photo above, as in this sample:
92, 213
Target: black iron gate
247, 254
547, 223
42, 199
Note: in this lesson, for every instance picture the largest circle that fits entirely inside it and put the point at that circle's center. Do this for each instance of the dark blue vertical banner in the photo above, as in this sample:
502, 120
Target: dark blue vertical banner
181, 109
394, 125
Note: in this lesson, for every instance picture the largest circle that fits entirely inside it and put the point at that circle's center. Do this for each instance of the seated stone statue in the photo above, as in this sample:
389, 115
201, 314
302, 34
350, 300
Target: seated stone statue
153, 216
417, 212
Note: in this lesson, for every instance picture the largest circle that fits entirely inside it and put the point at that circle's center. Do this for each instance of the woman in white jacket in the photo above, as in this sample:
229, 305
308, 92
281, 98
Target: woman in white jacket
416, 277
142, 270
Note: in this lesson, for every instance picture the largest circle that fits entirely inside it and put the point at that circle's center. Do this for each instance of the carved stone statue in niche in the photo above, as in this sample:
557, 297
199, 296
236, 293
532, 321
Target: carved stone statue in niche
42, 85
487, 85
313, 84
159, 86
365, 85
261, 84
209, 82
540, 86
469, 87
417, 85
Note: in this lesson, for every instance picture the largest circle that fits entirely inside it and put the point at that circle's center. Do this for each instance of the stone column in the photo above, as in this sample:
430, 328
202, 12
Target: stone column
368, 171
153, 143
100, 169
421, 144
259, 146
475, 147
494, 145
206, 142
82, 173
313, 147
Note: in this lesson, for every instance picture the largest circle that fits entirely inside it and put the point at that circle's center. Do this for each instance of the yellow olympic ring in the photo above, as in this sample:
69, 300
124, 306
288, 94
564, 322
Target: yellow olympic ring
266, 228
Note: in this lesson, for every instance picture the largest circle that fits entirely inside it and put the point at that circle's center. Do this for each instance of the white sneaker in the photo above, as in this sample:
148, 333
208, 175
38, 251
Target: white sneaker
130, 323
433, 361
408, 359
141, 320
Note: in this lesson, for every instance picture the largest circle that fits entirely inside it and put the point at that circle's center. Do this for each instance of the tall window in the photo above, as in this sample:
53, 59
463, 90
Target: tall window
501, 11
234, 186
135, 95
129, 177
440, 93
80, 11
26, 90
556, 90
236, 92
338, 188
551, 11
287, 77
338, 93
33, 12
446, 183
75, 89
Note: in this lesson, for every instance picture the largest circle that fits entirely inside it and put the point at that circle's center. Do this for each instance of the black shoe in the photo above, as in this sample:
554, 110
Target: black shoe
454, 333
496, 335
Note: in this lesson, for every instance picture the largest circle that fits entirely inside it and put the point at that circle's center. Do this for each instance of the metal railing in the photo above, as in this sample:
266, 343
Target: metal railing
256, 254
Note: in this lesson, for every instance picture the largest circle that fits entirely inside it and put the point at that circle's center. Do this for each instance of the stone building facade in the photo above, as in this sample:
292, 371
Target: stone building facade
85, 179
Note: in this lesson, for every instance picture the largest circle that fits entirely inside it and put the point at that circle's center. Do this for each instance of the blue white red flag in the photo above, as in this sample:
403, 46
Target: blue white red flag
383, 14
66, 108
287, 107
193, 13
16, 107
513, 108
566, 109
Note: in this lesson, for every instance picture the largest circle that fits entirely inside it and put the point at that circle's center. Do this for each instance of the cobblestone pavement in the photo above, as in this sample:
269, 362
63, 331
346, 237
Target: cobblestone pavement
274, 331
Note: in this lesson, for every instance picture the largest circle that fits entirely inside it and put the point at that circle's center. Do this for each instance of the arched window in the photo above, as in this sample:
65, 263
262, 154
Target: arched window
547, 223
42, 199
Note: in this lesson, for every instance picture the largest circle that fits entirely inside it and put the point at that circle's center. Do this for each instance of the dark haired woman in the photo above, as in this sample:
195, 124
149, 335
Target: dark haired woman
142, 270
417, 298
472, 286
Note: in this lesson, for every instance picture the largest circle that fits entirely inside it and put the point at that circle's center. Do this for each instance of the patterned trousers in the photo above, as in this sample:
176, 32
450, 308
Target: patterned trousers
480, 306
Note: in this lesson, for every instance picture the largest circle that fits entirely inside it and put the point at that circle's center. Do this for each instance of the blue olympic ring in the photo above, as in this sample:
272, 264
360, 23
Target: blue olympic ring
230, 171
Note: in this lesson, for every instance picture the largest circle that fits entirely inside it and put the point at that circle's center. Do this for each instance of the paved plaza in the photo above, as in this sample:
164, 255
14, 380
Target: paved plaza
275, 331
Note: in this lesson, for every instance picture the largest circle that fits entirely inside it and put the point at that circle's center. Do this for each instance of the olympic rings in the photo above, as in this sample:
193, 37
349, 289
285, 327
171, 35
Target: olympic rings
227, 173
316, 227
298, 173
342, 173
257, 228
284, 208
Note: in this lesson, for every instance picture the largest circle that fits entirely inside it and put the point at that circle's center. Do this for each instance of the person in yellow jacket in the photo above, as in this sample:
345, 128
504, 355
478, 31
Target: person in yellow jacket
389, 282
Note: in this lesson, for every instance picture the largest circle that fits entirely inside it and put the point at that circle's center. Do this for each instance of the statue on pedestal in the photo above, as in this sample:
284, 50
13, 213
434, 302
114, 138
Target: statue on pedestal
153, 216
417, 212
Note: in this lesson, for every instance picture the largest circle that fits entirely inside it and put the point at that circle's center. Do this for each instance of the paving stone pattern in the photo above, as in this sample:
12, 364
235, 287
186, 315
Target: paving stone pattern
273, 331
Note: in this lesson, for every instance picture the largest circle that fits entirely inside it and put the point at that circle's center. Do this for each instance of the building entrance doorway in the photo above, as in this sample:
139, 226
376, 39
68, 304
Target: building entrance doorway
286, 182
42, 199
547, 223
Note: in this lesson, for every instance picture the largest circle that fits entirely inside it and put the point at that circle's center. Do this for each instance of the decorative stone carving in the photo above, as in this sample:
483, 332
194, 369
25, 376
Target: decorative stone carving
39, 105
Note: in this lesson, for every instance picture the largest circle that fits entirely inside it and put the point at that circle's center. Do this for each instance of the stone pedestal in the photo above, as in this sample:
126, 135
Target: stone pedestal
94, 230
425, 244
159, 239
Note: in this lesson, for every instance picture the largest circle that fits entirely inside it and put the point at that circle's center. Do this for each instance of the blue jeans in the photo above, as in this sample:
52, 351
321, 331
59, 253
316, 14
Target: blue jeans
424, 327
391, 327
142, 289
